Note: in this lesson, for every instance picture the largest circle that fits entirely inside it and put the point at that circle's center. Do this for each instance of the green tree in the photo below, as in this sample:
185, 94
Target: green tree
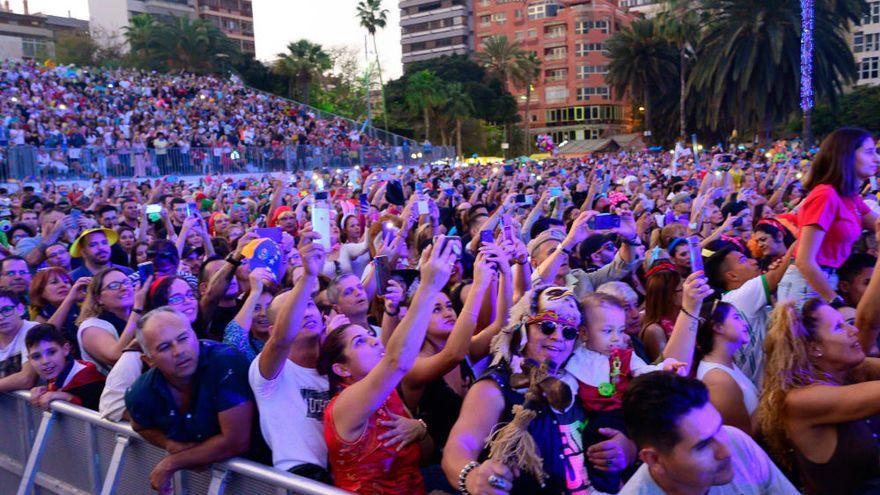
424, 94
499, 56
193, 45
458, 108
527, 72
748, 63
642, 61
142, 35
76, 48
372, 17
303, 63
681, 26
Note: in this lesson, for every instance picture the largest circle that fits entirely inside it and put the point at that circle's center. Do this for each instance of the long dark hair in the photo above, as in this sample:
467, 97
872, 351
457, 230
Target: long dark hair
835, 163
713, 313
332, 352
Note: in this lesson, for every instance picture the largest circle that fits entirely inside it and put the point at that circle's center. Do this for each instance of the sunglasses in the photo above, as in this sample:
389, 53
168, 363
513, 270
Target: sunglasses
548, 328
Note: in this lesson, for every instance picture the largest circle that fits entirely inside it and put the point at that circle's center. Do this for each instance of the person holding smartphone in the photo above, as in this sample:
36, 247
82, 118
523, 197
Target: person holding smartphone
832, 216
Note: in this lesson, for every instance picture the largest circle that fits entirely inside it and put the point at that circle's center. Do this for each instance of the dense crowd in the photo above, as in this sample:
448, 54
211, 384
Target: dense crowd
628, 322
137, 123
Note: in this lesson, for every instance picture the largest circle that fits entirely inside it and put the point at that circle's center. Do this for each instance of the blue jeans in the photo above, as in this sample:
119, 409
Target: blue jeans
794, 286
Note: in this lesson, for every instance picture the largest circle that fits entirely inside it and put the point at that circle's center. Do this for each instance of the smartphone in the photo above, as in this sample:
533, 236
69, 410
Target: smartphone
321, 224
363, 200
321, 196
606, 182
724, 158
192, 210
486, 236
383, 274
873, 181
456, 244
388, 231
508, 170
530, 200
555, 192
696, 252
273, 233
520, 199
75, 213
154, 209
604, 221
145, 270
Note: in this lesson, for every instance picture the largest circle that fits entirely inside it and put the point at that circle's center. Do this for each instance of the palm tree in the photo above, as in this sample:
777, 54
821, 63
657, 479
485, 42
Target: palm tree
748, 65
681, 26
641, 61
527, 71
193, 45
304, 63
424, 92
141, 36
499, 56
459, 106
373, 17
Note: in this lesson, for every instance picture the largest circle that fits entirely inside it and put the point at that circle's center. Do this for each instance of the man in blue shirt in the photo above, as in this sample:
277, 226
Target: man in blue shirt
195, 401
93, 245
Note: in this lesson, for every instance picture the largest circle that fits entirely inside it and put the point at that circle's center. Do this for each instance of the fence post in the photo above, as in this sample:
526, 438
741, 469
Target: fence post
117, 461
219, 477
33, 462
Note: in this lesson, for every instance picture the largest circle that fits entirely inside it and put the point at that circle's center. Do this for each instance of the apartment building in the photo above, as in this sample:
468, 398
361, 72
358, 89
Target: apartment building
571, 99
235, 18
434, 28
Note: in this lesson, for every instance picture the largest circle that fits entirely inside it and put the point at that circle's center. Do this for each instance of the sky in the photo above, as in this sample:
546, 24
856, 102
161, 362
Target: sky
278, 22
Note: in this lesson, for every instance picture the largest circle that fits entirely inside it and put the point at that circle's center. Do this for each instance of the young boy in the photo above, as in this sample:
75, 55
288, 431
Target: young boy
67, 379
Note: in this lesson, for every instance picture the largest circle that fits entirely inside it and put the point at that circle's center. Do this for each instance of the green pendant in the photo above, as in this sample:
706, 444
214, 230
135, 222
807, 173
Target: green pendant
606, 389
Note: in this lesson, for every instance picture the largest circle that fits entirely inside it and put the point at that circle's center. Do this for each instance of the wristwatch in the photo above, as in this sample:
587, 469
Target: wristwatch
565, 250
233, 260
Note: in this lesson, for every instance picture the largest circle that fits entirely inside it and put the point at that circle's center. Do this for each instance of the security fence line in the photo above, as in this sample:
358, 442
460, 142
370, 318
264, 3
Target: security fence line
72, 450
65, 163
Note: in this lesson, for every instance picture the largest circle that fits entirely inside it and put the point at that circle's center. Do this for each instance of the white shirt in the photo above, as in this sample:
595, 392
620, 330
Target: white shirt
292, 413
97, 323
17, 344
753, 472
750, 393
752, 301
123, 374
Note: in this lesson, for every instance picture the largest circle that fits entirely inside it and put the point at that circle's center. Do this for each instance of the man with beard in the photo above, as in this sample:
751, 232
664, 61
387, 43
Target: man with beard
284, 379
93, 245
684, 446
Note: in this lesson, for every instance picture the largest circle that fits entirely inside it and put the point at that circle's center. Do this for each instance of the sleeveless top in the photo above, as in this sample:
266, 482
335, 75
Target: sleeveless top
559, 438
365, 466
856, 460
750, 393
440, 406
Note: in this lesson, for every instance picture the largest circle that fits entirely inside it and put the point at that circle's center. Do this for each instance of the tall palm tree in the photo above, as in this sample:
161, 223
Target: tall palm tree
681, 25
459, 106
641, 61
303, 63
424, 92
373, 17
193, 45
141, 36
748, 64
527, 72
498, 55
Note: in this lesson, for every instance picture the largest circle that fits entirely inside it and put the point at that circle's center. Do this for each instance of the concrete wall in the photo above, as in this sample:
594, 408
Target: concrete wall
107, 18
10, 48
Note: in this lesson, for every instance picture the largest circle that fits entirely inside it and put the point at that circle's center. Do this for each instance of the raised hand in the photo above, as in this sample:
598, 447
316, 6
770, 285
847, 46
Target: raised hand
695, 289
312, 254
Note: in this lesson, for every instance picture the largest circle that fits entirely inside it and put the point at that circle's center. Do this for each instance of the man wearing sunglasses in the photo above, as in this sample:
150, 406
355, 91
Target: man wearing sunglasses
93, 245
166, 262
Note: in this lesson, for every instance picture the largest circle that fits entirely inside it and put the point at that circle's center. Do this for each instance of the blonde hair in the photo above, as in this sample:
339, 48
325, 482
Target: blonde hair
787, 367
91, 307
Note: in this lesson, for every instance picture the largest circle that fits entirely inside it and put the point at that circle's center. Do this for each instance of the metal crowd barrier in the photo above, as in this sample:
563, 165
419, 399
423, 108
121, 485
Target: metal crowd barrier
19, 162
71, 450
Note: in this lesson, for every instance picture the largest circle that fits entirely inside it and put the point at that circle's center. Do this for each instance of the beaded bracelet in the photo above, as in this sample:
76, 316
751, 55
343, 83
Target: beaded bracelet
462, 477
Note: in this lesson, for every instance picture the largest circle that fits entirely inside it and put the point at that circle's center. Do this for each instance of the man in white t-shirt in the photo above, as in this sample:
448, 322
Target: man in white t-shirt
686, 448
741, 283
15, 372
290, 393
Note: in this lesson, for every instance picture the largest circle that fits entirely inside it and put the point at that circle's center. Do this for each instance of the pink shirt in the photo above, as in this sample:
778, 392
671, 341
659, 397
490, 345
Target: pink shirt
840, 219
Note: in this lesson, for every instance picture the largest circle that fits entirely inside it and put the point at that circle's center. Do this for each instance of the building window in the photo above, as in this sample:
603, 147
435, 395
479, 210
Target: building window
555, 93
537, 12
554, 31
499, 17
35, 48
873, 15
582, 27
869, 68
555, 53
863, 42
533, 33
518, 14
583, 71
485, 20
485, 3
555, 74
582, 49
584, 94
520, 35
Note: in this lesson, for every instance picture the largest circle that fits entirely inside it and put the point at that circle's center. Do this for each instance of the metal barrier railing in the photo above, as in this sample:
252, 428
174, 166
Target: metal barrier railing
71, 450
80, 163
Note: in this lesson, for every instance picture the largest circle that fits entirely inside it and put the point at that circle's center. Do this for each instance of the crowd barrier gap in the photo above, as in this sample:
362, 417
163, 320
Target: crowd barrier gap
71, 450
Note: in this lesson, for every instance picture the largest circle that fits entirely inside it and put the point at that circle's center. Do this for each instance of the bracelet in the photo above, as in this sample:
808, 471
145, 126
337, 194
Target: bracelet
564, 250
233, 261
701, 320
392, 314
425, 426
138, 311
462, 476
635, 241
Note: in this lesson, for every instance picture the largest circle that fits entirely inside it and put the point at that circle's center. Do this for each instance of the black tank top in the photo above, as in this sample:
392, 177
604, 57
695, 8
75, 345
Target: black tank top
856, 460
440, 406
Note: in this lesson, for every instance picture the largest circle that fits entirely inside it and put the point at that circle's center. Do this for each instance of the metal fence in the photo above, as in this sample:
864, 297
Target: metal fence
80, 163
71, 450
